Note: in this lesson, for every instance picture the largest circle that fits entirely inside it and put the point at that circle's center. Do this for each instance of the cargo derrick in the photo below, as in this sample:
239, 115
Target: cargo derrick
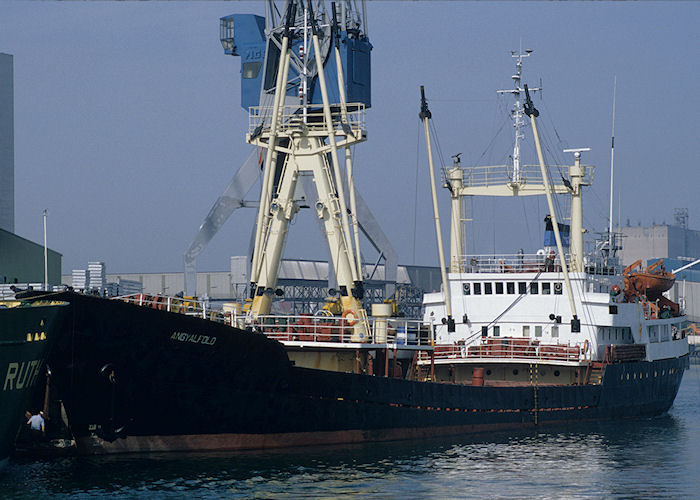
303, 140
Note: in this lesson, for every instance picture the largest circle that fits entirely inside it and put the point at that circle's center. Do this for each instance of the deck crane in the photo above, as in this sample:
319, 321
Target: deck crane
305, 139
258, 41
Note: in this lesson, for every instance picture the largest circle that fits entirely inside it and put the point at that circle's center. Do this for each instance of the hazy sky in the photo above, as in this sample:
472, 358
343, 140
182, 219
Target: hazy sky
128, 124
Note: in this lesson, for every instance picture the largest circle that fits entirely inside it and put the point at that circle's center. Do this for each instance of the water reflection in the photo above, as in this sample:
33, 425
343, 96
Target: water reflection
631, 458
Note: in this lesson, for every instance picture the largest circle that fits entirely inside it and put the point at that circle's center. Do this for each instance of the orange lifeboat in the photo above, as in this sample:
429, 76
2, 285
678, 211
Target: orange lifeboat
650, 283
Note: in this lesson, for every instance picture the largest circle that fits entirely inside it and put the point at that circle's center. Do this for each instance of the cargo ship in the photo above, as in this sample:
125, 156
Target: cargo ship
27, 333
141, 374
509, 342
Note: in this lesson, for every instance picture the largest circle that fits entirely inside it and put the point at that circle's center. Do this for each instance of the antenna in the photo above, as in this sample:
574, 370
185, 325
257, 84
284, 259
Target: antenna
612, 164
577, 151
518, 111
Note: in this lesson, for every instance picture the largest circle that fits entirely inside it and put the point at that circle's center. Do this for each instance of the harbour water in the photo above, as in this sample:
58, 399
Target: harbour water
645, 458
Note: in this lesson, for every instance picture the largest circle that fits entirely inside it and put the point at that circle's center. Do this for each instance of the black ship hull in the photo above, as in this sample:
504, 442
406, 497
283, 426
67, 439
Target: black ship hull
138, 379
26, 336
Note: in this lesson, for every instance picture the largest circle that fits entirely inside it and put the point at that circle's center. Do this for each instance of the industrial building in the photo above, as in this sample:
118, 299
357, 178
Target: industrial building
661, 241
679, 246
21, 260
7, 144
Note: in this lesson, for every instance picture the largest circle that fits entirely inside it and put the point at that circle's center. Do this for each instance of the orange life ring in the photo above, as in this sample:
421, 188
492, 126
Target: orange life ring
350, 317
586, 346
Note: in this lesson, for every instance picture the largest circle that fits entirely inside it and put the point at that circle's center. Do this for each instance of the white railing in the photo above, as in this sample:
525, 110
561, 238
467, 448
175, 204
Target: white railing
498, 175
309, 328
296, 328
512, 263
260, 118
515, 349
187, 306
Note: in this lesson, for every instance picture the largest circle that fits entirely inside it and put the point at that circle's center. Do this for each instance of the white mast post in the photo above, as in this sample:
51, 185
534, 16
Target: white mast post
612, 168
280, 90
425, 115
46, 256
348, 153
517, 111
334, 150
576, 175
532, 113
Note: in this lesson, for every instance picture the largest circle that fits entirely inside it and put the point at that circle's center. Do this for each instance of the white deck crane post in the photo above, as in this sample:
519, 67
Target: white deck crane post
345, 125
424, 116
271, 156
309, 139
531, 112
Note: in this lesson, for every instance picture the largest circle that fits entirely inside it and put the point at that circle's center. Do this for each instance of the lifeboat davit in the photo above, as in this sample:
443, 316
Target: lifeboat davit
651, 282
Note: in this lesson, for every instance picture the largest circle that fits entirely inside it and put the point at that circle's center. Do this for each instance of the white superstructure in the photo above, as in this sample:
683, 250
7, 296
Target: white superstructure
499, 297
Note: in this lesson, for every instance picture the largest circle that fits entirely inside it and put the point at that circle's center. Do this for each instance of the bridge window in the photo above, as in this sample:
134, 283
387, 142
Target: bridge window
499, 288
653, 333
510, 287
538, 331
488, 288
496, 331
477, 288
555, 331
466, 290
522, 287
664, 333
526, 330
534, 288
557, 288
546, 288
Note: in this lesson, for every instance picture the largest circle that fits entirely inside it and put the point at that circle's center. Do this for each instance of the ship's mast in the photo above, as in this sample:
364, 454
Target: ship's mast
612, 172
518, 112
424, 116
532, 113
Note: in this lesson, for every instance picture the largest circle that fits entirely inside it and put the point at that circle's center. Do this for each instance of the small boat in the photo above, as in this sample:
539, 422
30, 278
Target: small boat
650, 283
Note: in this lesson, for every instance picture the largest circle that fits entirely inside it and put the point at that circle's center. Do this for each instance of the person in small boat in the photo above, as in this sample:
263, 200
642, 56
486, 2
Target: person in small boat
36, 427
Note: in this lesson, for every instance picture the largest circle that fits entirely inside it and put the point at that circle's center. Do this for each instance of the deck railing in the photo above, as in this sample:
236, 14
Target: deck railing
292, 117
507, 348
296, 328
512, 263
310, 328
187, 306
497, 175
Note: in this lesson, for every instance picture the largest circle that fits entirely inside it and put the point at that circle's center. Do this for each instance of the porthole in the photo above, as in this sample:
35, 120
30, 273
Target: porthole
622, 377
556, 373
663, 372
488, 372
634, 376
656, 374
628, 376
647, 374
515, 371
